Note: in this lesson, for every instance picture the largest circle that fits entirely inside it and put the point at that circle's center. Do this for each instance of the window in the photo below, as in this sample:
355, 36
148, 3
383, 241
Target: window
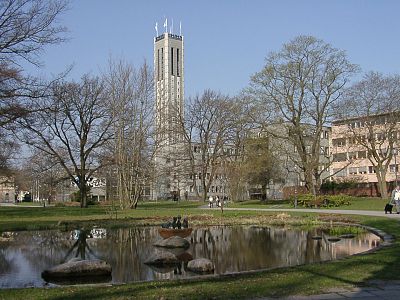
172, 61
339, 157
371, 170
352, 155
362, 170
340, 172
380, 136
393, 168
177, 62
339, 142
326, 134
362, 154
158, 64
352, 171
162, 63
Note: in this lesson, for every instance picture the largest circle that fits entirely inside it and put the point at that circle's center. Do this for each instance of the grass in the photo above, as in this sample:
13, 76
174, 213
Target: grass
317, 278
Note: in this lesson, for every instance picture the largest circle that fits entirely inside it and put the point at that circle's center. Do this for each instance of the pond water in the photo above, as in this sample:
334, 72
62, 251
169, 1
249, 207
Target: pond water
231, 249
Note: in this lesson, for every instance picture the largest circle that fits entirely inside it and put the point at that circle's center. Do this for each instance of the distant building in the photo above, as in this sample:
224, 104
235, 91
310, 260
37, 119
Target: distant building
351, 160
292, 179
7, 189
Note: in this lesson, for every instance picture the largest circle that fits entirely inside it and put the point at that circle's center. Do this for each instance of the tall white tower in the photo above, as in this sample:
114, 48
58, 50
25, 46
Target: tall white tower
169, 106
169, 87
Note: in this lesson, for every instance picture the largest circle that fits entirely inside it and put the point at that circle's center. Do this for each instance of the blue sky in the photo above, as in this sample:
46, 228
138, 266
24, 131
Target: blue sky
225, 41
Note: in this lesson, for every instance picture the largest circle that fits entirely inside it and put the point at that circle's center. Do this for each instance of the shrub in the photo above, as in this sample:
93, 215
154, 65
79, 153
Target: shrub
308, 200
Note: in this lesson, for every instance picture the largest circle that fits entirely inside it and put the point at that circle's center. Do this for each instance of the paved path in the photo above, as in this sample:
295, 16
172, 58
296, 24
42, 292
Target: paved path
386, 290
9, 204
372, 213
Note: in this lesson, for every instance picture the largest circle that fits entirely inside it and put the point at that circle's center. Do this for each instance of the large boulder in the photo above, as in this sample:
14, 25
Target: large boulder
201, 265
162, 258
173, 242
79, 268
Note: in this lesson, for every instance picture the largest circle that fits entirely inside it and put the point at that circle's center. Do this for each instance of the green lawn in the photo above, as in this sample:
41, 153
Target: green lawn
309, 279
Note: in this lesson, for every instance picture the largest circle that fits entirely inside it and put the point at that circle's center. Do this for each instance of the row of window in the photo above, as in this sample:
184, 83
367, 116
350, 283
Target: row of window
360, 139
228, 151
208, 175
212, 189
361, 170
376, 121
160, 63
322, 150
337, 157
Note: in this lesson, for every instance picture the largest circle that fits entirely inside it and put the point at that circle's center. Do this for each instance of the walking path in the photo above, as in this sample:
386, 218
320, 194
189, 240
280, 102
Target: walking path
386, 290
379, 290
372, 213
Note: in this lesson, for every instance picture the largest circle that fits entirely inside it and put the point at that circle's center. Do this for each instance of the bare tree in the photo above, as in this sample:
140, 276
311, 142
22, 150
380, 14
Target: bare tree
72, 126
26, 27
210, 119
131, 92
370, 113
298, 86
45, 175
241, 128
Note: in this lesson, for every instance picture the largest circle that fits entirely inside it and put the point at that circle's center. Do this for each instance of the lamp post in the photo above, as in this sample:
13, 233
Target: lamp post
395, 164
295, 188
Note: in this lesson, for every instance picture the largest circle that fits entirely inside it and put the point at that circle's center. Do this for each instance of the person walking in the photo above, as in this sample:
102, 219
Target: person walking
395, 199
211, 201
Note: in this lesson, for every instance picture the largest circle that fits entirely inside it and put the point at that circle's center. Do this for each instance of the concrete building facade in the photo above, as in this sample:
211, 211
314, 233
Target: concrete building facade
351, 144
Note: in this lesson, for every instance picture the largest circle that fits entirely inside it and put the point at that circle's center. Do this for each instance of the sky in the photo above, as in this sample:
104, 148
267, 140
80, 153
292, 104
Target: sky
225, 41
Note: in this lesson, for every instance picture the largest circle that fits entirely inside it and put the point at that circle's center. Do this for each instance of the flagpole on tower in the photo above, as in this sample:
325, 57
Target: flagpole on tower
180, 28
166, 25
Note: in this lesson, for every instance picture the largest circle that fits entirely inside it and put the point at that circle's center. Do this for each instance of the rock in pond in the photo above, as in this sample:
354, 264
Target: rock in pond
201, 265
334, 239
162, 258
173, 242
78, 268
347, 236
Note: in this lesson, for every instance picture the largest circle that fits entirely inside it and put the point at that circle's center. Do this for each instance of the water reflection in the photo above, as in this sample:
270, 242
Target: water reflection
231, 249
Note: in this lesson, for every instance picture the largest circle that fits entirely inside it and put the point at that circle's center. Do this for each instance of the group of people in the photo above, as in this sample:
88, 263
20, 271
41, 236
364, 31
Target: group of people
217, 200
177, 223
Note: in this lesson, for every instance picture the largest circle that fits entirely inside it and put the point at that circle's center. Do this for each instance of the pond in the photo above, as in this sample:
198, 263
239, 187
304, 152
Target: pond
231, 249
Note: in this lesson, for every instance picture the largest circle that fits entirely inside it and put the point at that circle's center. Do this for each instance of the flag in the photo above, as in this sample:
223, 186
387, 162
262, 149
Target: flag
166, 24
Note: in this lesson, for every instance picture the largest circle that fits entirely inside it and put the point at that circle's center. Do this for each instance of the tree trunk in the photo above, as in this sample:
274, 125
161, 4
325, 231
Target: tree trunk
381, 176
